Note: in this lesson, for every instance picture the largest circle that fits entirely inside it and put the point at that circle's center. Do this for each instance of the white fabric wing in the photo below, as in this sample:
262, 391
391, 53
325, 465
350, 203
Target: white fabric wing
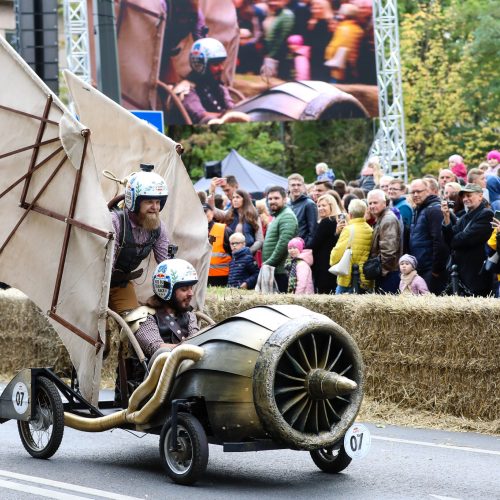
120, 143
54, 236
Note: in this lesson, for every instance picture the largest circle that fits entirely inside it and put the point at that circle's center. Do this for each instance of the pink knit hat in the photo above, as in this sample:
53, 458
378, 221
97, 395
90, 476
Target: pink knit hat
296, 243
494, 155
459, 169
295, 40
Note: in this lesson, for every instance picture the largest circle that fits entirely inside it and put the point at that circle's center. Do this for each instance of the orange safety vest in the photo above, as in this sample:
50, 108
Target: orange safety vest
219, 263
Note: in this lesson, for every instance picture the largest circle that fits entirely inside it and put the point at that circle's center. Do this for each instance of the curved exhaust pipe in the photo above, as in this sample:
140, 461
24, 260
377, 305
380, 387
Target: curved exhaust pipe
159, 380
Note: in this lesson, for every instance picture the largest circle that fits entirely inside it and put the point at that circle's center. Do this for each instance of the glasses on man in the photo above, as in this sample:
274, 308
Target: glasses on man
236, 243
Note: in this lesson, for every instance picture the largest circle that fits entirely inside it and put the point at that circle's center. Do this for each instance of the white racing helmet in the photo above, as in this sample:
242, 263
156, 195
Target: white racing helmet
142, 186
205, 51
172, 274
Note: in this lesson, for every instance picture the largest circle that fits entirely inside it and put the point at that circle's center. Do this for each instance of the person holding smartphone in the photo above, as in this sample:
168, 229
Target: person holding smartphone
466, 238
494, 246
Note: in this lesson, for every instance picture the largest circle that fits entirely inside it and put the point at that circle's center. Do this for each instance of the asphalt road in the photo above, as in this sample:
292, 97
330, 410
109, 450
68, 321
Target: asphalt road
402, 463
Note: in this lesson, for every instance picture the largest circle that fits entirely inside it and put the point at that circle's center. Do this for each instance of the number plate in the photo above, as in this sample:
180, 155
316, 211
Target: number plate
20, 398
357, 441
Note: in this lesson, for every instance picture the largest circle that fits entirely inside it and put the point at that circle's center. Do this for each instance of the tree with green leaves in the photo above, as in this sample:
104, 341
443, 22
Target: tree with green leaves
451, 81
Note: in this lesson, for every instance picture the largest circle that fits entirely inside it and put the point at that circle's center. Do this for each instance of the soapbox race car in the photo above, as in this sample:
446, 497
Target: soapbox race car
271, 377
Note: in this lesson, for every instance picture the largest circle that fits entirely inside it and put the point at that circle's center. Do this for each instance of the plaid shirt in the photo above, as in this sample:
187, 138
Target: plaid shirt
149, 337
141, 236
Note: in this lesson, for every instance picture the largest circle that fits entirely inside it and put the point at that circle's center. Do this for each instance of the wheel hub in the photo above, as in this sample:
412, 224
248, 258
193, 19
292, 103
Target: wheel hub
42, 420
182, 452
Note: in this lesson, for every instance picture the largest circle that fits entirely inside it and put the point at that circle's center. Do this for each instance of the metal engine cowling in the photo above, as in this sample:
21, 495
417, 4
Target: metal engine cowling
281, 372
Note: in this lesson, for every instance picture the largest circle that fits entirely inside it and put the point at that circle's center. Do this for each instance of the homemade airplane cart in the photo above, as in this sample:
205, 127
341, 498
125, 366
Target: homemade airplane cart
271, 377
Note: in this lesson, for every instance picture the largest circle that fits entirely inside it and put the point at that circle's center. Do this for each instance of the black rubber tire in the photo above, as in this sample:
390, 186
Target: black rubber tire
188, 464
331, 460
42, 435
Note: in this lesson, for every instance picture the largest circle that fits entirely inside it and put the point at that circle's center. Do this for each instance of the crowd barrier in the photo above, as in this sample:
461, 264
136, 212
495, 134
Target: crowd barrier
428, 353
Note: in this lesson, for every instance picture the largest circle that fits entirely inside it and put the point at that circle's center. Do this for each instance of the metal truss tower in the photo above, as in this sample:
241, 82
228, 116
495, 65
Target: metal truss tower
390, 142
77, 38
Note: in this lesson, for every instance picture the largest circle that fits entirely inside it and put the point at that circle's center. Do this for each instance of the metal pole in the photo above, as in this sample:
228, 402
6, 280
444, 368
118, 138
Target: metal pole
283, 155
108, 73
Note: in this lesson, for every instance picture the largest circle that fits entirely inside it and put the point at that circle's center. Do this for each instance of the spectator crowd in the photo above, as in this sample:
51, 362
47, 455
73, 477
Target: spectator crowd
326, 40
438, 234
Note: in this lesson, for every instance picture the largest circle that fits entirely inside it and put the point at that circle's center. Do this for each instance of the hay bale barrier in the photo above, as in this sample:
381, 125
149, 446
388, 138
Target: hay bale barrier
26, 337
436, 355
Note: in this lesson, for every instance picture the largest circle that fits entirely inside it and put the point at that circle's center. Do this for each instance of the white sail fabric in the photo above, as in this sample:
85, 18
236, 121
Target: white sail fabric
30, 254
120, 143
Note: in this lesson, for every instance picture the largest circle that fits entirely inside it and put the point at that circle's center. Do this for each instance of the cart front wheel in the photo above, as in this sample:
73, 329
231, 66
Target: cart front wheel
42, 434
331, 460
188, 461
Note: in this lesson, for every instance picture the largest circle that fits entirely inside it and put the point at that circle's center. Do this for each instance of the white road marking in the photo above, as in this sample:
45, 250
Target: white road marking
40, 492
63, 486
439, 497
434, 445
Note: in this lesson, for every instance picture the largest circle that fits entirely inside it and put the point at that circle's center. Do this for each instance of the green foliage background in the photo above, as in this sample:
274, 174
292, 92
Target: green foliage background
280, 147
450, 54
451, 80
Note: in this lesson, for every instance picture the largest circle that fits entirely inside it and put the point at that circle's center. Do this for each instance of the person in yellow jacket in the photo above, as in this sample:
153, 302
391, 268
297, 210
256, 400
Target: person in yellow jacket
493, 243
343, 50
218, 236
360, 245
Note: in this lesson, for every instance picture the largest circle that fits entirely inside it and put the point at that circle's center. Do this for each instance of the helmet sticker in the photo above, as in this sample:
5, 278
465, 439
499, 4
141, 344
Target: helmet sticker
172, 274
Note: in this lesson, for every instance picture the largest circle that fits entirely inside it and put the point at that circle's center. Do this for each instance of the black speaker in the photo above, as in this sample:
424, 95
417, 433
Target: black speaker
37, 38
213, 169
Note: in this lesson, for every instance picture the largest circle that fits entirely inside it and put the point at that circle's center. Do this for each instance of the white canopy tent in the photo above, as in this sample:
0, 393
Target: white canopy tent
250, 176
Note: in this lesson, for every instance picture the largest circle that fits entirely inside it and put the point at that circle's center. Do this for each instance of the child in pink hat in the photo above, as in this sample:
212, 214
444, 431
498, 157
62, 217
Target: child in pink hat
301, 55
457, 166
493, 159
298, 265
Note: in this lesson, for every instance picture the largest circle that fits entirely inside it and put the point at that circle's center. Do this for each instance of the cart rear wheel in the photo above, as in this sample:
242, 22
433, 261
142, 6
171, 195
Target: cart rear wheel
331, 460
42, 434
189, 461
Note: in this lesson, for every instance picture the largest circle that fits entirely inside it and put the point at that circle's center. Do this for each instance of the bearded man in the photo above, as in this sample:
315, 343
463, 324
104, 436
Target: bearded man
139, 231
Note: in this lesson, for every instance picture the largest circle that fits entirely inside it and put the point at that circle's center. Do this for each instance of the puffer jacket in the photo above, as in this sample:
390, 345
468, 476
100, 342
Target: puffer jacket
360, 246
279, 232
243, 269
386, 241
305, 283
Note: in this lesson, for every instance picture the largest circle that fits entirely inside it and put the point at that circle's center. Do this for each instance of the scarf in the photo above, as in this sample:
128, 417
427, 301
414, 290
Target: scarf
406, 280
291, 267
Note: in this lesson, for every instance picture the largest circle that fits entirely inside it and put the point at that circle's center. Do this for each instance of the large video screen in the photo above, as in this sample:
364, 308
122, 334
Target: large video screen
218, 61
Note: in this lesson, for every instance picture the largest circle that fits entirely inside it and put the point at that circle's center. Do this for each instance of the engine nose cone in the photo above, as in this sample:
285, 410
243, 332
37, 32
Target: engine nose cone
322, 384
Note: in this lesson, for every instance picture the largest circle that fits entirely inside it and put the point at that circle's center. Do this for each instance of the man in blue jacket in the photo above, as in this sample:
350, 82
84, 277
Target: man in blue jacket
303, 207
427, 244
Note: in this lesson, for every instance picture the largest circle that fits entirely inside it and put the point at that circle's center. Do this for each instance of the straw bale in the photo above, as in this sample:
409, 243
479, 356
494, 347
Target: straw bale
431, 353
27, 339
434, 354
